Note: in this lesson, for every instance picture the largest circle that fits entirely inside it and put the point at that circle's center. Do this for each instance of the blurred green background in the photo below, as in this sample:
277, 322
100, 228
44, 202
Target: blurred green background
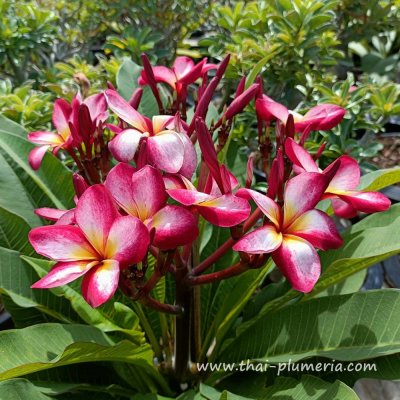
307, 51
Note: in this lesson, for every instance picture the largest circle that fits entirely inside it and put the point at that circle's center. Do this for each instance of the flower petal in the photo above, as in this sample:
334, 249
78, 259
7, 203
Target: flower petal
343, 209
100, 283
317, 228
44, 137
299, 262
270, 110
61, 116
36, 155
68, 218
124, 145
189, 157
302, 193
148, 191
367, 202
262, 240
63, 273
51, 214
264, 203
161, 74
182, 66
160, 123
225, 211
189, 197
322, 117
128, 241
62, 243
347, 177
119, 184
97, 105
166, 151
300, 157
175, 226
125, 111
95, 214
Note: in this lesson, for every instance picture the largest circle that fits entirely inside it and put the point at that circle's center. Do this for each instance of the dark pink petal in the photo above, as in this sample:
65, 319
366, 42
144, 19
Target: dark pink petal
240, 102
317, 228
189, 157
264, 203
367, 202
300, 157
208, 151
161, 74
36, 156
148, 191
68, 218
124, 145
189, 197
51, 214
44, 137
173, 181
302, 193
97, 106
182, 66
262, 240
125, 111
63, 273
270, 110
61, 116
166, 151
322, 117
61, 243
119, 184
100, 283
299, 262
343, 209
225, 211
174, 226
128, 241
347, 176
95, 214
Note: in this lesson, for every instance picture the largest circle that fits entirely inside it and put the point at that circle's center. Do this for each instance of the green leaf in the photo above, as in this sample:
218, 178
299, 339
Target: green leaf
309, 388
17, 389
257, 386
92, 316
347, 327
50, 186
378, 180
48, 346
14, 232
16, 277
127, 82
366, 243
209, 393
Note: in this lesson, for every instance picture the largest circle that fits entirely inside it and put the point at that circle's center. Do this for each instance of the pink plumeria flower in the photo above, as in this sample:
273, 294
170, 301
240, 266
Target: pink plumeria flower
168, 148
342, 189
70, 121
142, 194
101, 244
220, 207
217, 203
293, 231
183, 72
321, 117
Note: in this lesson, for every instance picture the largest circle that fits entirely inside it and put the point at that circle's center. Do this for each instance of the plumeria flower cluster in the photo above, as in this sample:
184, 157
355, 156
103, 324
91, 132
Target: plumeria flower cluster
166, 180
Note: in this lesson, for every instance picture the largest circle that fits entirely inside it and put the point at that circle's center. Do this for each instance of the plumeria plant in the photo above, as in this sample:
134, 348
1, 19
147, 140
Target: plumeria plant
181, 262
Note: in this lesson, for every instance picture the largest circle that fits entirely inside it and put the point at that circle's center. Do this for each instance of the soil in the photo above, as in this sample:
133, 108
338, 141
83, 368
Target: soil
389, 156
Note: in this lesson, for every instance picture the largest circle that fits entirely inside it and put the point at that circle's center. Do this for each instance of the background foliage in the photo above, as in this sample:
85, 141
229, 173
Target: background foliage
307, 52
